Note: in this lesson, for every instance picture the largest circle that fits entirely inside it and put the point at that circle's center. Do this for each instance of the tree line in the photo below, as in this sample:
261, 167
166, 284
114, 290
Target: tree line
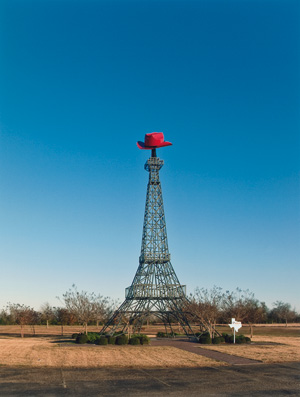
79, 307
212, 306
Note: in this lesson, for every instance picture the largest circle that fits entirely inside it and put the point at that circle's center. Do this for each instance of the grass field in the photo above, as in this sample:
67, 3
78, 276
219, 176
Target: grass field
268, 349
49, 348
280, 330
51, 352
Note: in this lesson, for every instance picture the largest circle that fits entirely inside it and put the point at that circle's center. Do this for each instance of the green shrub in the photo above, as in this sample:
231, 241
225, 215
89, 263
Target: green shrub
242, 339
93, 337
144, 339
222, 339
216, 340
239, 339
111, 340
205, 340
102, 340
161, 334
134, 341
82, 338
74, 336
206, 333
228, 338
122, 340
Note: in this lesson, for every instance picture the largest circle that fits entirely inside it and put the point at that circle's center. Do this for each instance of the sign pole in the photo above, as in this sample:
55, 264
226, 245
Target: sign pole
233, 335
236, 325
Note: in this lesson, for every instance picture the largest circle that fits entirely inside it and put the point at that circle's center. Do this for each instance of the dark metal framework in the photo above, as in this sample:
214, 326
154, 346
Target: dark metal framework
155, 289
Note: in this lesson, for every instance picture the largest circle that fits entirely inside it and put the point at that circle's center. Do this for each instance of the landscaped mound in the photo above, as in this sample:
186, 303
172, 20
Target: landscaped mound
118, 339
205, 339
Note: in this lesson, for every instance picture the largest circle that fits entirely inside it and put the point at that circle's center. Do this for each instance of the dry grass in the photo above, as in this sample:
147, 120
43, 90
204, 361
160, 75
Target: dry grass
38, 352
269, 349
293, 330
46, 350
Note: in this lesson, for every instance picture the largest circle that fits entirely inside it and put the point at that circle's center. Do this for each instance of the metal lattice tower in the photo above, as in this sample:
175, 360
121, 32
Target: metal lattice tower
155, 289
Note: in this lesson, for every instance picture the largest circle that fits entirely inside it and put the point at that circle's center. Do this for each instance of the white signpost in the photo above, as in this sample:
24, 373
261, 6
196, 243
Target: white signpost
236, 325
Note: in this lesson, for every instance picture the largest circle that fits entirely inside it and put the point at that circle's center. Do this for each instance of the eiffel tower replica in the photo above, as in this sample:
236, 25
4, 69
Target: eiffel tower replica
155, 289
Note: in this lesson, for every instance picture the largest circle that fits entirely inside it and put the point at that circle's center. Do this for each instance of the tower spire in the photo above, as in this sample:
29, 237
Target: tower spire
155, 289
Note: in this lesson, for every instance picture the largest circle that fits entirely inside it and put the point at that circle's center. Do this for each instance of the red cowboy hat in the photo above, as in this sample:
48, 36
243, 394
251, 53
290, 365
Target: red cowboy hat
153, 141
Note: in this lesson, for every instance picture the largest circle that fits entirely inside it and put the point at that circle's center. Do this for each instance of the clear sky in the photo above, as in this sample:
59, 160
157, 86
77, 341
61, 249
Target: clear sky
82, 81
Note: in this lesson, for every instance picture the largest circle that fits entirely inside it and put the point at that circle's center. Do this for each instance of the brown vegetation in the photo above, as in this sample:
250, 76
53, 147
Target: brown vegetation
49, 352
269, 349
48, 348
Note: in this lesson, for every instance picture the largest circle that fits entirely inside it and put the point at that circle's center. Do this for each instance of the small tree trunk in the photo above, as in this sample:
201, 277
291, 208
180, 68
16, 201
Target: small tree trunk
47, 324
22, 331
85, 324
251, 330
62, 330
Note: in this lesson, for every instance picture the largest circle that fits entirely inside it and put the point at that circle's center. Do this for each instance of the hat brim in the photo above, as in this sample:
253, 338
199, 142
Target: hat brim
141, 145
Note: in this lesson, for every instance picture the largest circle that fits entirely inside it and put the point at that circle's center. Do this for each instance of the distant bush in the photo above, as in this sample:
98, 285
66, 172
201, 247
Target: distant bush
144, 339
102, 340
74, 336
82, 338
205, 340
93, 337
227, 338
239, 339
216, 340
166, 334
134, 341
111, 340
122, 340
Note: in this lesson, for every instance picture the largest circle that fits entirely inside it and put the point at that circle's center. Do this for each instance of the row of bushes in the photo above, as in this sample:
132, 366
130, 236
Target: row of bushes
97, 339
205, 339
167, 335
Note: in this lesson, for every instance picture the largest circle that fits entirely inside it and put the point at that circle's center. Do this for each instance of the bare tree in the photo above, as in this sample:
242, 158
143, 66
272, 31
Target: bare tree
63, 317
47, 313
283, 312
243, 306
207, 305
85, 306
104, 308
23, 315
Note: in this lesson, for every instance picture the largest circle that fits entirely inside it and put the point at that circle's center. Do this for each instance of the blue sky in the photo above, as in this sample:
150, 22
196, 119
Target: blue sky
82, 81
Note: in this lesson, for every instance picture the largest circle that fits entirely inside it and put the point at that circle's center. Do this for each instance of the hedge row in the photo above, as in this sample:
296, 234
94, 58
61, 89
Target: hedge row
167, 335
205, 339
97, 339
